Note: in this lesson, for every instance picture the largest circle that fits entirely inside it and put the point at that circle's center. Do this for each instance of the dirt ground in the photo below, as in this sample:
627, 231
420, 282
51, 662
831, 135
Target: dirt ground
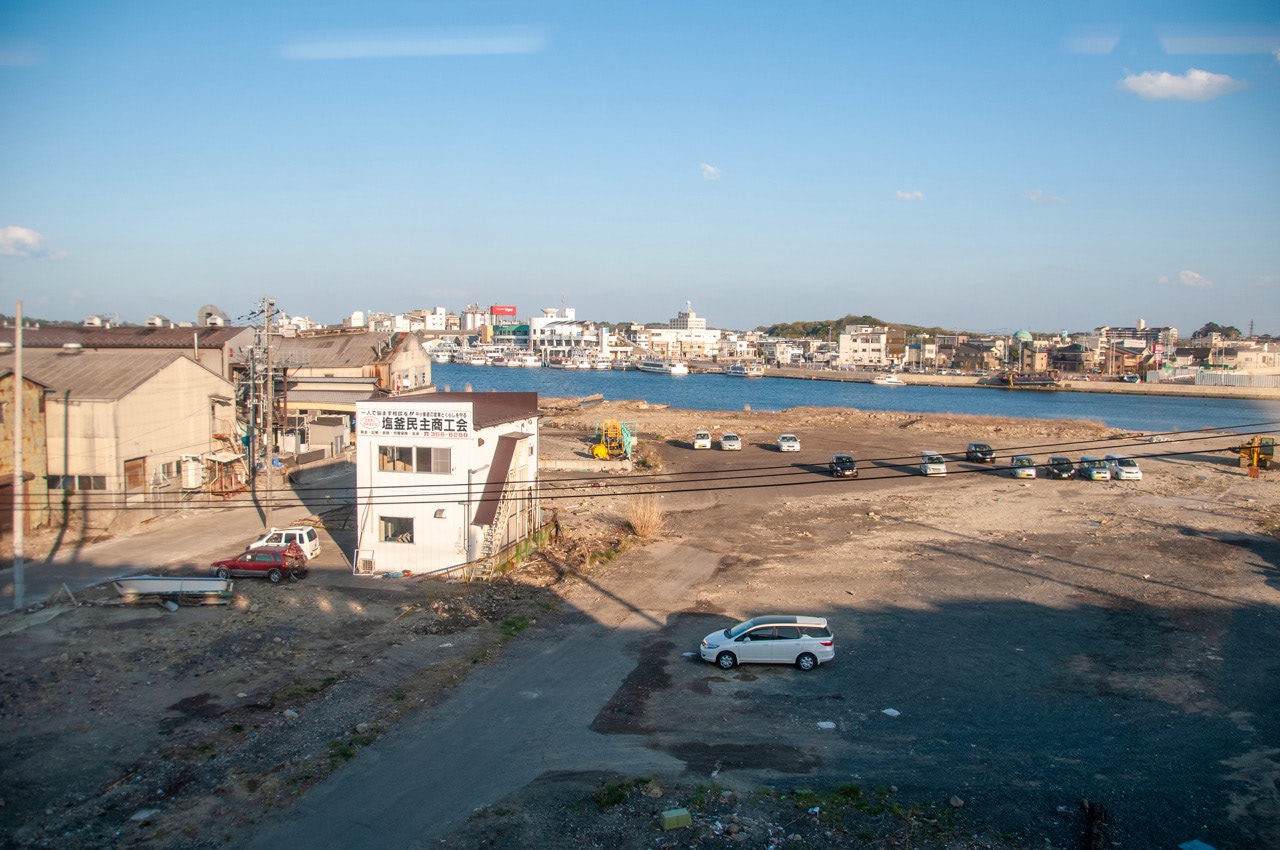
137, 726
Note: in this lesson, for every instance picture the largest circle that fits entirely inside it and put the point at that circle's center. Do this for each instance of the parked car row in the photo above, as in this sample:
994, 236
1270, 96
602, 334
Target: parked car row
1109, 468
1117, 467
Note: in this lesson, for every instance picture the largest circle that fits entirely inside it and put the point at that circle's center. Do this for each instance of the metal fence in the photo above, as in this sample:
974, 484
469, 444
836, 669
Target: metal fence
1213, 378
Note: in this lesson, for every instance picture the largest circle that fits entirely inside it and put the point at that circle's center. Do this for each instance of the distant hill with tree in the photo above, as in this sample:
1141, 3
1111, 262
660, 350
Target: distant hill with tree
831, 328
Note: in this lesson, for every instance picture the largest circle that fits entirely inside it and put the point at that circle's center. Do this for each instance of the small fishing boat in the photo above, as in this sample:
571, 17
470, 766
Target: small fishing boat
888, 381
134, 586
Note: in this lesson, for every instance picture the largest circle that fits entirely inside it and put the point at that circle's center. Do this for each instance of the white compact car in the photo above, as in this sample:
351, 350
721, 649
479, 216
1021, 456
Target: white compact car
1022, 466
702, 439
304, 535
1123, 468
730, 443
774, 639
788, 443
932, 463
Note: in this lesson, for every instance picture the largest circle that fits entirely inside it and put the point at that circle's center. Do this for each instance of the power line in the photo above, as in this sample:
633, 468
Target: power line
562, 489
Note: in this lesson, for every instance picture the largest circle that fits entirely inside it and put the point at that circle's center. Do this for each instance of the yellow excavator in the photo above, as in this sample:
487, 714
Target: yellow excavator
613, 441
1258, 453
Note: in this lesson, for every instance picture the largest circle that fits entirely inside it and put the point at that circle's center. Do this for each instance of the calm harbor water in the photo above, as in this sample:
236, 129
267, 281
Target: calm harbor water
717, 392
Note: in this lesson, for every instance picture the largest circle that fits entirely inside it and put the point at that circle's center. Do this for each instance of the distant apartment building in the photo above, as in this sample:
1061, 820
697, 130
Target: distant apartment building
863, 346
1140, 333
557, 332
687, 335
782, 352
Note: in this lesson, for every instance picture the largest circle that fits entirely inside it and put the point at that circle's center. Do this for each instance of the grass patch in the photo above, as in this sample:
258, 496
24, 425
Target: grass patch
513, 626
612, 794
642, 515
341, 750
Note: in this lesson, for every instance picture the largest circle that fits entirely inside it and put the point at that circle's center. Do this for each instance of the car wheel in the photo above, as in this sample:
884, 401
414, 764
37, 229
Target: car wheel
726, 660
224, 573
274, 576
807, 661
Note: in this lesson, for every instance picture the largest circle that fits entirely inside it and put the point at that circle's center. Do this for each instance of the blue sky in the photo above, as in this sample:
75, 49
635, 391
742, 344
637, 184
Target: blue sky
989, 166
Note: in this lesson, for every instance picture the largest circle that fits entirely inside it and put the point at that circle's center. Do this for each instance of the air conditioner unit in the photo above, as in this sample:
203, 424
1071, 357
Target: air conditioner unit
192, 472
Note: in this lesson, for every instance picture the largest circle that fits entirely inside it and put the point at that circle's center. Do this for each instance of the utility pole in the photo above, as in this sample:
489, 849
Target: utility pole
268, 304
19, 480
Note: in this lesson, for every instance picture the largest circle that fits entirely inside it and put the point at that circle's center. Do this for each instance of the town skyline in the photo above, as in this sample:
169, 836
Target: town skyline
992, 170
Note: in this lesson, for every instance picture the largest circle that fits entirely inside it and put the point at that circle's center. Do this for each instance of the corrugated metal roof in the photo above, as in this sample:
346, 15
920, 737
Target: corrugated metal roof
329, 379
130, 337
97, 373
298, 397
338, 350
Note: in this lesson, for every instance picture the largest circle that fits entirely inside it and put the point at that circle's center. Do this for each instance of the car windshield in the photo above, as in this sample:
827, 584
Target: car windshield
1127, 462
842, 459
981, 447
1095, 464
729, 437
734, 631
1023, 461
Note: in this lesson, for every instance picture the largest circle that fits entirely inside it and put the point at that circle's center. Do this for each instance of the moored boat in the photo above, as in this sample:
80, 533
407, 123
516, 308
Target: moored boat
744, 370
659, 366
888, 381
1029, 380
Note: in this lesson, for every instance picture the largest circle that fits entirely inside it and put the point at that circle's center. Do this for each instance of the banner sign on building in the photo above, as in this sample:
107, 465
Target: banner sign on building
503, 309
397, 421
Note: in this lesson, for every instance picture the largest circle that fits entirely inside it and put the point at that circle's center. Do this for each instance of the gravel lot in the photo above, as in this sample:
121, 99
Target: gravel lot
1040, 643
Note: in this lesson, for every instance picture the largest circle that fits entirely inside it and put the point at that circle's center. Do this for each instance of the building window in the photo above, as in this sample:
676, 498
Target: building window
435, 461
396, 529
395, 458
76, 482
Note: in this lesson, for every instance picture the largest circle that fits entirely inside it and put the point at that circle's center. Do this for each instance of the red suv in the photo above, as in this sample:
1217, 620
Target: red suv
274, 562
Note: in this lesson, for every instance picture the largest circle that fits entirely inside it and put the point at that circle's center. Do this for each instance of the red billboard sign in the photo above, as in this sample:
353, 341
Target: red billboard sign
503, 310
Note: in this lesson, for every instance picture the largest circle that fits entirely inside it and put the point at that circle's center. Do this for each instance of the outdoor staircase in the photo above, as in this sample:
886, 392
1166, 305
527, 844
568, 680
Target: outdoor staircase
484, 568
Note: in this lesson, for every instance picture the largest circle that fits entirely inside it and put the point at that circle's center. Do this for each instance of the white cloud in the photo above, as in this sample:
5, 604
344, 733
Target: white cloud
1093, 41
1195, 280
1163, 280
1038, 196
710, 172
18, 241
401, 46
1193, 85
914, 195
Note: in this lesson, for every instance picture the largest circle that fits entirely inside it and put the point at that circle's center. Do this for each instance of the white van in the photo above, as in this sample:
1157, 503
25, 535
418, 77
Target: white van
1123, 468
304, 535
932, 463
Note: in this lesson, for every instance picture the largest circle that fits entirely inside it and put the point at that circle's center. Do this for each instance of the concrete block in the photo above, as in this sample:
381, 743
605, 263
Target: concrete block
676, 818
